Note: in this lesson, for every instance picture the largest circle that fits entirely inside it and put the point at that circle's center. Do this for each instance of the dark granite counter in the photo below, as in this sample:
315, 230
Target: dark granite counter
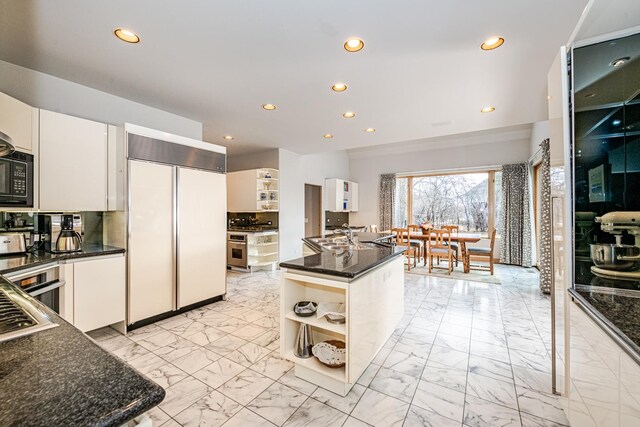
61, 377
347, 264
9, 263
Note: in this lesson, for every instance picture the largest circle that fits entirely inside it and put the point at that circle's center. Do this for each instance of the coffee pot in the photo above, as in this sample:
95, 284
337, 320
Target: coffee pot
68, 240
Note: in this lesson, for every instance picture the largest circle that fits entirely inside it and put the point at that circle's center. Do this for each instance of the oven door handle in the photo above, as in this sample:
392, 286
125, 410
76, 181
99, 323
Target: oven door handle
53, 285
13, 278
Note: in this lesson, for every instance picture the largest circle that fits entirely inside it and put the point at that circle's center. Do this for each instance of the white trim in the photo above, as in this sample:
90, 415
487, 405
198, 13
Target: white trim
451, 171
583, 17
606, 37
177, 139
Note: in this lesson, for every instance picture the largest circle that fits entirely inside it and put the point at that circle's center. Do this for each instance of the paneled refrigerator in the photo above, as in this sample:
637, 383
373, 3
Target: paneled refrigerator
176, 227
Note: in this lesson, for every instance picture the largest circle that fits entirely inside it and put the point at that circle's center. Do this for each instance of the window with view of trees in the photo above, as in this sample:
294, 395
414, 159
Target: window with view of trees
468, 200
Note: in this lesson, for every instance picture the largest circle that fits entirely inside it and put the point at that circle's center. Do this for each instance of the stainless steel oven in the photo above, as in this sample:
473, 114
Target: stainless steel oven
237, 250
16, 180
42, 283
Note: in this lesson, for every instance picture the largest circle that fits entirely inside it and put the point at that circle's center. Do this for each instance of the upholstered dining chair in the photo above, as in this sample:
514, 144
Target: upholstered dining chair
416, 243
402, 239
454, 229
477, 252
373, 228
440, 247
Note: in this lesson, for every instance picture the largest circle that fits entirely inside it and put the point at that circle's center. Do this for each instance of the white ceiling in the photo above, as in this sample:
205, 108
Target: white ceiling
421, 73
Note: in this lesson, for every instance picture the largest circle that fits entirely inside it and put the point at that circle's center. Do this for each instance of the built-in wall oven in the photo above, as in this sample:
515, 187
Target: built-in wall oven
16, 180
42, 283
237, 250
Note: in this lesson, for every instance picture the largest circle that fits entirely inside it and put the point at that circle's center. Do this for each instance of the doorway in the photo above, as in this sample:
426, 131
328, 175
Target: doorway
312, 210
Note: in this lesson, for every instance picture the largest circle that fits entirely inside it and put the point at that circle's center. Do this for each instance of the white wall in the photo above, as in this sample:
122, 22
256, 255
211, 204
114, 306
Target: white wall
52, 93
539, 132
498, 147
296, 171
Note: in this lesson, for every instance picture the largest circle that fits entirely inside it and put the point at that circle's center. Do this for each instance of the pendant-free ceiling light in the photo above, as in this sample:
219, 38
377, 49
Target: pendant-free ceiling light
126, 35
328, 135
349, 115
488, 110
492, 43
228, 137
339, 87
269, 107
353, 44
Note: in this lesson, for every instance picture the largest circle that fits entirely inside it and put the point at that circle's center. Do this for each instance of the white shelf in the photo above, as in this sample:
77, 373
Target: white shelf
338, 328
267, 179
265, 254
262, 263
265, 244
312, 363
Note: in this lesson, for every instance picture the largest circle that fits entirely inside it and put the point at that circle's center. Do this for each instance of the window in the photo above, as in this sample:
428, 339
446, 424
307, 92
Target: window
469, 200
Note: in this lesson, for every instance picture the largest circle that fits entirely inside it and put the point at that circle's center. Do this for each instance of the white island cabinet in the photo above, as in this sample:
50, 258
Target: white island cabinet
374, 303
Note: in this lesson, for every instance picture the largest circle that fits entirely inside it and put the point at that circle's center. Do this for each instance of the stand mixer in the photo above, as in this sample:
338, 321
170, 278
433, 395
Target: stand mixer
618, 261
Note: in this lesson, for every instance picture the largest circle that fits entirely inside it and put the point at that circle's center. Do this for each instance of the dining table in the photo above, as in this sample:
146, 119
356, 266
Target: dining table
461, 238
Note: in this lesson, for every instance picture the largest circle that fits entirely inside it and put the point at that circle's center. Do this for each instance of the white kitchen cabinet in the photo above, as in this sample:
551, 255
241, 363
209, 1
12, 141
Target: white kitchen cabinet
253, 190
73, 163
17, 120
99, 292
341, 195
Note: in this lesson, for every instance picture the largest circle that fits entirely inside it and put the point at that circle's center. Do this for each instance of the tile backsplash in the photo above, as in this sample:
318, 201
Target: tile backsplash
335, 219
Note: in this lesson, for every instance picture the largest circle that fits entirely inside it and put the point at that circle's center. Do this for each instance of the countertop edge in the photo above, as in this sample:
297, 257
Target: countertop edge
341, 273
105, 251
607, 326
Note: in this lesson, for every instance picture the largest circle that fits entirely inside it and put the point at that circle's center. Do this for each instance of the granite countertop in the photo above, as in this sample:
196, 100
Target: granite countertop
348, 264
59, 376
10, 263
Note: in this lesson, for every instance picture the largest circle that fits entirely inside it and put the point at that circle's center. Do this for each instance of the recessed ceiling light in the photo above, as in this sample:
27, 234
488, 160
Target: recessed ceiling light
488, 110
339, 87
620, 61
492, 43
328, 135
269, 107
353, 44
370, 130
616, 122
349, 115
126, 35
590, 95
228, 137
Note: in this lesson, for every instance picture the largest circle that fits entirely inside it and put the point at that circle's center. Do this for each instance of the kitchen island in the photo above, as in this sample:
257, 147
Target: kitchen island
368, 278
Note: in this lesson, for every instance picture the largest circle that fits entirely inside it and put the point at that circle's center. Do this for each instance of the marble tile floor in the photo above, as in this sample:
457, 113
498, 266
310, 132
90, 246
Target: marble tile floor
465, 354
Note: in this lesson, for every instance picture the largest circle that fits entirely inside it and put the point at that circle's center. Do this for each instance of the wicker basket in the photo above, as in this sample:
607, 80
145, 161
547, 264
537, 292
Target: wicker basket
331, 353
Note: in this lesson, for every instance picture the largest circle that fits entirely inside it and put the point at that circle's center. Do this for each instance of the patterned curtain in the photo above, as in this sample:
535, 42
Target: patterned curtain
545, 220
515, 224
386, 201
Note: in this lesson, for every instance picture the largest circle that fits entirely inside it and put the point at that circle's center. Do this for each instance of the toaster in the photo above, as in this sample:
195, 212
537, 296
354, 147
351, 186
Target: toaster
12, 243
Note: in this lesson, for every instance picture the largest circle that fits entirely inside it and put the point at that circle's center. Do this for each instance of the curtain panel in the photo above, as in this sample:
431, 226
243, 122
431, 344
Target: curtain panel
515, 223
545, 219
386, 200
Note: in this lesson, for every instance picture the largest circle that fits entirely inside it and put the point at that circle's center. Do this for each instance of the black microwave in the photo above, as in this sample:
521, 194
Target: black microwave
16, 180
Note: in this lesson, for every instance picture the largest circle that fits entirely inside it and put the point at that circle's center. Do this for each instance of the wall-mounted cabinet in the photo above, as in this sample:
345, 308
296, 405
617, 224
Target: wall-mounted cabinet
253, 190
341, 195
79, 168
19, 121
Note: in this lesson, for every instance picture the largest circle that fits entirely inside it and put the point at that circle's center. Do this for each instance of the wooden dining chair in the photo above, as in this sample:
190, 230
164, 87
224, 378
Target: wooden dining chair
374, 228
477, 252
416, 243
454, 229
402, 239
440, 247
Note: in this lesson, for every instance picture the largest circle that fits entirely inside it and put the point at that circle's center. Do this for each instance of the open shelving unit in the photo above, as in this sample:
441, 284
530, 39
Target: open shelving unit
262, 250
253, 190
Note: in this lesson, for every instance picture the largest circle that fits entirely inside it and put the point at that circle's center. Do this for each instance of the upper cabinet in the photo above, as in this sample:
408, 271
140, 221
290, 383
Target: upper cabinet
78, 166
341, 195
253, 190
19, 121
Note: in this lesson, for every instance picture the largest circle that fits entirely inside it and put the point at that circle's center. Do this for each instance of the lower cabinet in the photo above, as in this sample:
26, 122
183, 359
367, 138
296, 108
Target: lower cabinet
98, 292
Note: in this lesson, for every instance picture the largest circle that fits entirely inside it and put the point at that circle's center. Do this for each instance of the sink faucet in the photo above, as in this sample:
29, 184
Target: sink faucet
347, 231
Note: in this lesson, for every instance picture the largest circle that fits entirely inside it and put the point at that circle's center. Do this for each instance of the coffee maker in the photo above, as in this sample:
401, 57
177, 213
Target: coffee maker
63, 232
